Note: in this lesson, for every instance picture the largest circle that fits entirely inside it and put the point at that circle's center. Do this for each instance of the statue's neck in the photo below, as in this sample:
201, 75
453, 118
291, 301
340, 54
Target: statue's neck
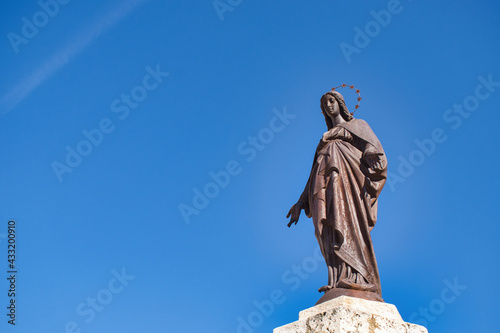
337, 120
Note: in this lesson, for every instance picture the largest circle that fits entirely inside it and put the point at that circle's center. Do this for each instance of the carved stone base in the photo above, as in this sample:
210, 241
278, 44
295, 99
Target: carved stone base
346, 314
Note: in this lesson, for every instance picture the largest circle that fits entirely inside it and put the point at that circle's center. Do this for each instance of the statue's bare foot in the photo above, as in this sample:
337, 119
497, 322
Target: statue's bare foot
325, 289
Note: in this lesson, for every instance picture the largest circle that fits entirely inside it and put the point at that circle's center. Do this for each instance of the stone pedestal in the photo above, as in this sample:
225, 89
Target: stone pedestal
346, 314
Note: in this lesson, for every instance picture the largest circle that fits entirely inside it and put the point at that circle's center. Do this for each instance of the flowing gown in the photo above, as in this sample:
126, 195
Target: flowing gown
341, 197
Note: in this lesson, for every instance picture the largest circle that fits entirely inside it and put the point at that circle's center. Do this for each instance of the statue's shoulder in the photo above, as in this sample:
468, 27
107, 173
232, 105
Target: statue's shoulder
357, 125
359, 122
361, 129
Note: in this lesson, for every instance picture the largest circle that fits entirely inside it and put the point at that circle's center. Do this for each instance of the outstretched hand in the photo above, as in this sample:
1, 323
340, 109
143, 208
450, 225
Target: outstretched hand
294, 213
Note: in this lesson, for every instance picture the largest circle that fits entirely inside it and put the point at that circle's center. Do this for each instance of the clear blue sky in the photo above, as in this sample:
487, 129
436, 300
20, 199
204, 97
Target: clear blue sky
115, 115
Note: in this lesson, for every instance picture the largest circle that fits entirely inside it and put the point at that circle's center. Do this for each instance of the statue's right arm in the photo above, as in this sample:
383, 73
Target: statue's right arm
304, 197
294, 213
303, 202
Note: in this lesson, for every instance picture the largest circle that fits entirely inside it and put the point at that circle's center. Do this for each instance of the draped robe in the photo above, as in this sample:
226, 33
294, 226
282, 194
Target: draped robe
341, 197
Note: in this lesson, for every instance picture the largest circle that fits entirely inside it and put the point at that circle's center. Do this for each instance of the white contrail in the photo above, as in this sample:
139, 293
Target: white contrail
61, 57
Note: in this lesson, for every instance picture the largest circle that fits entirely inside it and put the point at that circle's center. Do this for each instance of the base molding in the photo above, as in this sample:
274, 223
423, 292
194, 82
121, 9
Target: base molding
346, 314
337, 292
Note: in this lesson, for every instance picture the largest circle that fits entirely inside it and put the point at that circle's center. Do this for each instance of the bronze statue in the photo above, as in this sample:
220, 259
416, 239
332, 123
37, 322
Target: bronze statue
348, 173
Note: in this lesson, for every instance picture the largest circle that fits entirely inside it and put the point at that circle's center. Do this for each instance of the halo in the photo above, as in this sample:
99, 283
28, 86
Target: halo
343, 85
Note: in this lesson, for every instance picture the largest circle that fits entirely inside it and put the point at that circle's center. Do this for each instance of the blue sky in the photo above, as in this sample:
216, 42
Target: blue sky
116, 115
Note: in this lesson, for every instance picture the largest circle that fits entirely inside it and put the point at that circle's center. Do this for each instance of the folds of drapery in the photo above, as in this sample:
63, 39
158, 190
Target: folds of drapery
341, 197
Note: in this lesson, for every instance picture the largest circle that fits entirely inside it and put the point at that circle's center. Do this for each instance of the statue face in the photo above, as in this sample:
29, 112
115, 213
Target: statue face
331, 106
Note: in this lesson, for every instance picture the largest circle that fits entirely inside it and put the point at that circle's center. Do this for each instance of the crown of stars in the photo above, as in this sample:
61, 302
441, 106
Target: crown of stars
343, 85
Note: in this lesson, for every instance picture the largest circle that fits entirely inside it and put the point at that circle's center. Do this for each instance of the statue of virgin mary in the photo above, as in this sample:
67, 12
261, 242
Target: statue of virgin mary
348, 173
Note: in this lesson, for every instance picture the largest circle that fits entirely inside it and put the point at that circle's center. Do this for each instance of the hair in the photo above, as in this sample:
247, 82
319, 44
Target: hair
344, 112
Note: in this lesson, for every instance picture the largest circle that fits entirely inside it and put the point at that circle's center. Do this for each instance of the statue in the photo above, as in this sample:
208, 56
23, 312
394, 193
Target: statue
348, 173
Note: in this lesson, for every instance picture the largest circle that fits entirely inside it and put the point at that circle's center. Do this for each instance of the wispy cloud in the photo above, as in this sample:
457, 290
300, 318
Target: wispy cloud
61, 57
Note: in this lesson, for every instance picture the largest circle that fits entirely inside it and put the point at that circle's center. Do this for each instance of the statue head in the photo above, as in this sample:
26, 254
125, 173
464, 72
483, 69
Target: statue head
342, 108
